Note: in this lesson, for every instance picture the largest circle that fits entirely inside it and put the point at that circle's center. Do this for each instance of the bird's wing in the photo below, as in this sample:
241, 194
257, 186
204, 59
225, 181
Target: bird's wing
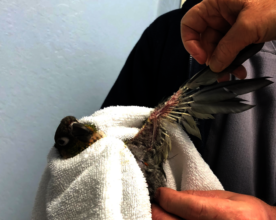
191, 101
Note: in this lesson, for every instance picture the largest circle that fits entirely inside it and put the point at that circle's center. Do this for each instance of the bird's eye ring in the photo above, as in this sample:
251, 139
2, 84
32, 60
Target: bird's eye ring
62, 141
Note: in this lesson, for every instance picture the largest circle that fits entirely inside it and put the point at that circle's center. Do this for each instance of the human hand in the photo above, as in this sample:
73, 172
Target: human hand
215, 31
215, 204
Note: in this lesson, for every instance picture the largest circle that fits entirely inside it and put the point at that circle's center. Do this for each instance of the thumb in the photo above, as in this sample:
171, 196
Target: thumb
240, 35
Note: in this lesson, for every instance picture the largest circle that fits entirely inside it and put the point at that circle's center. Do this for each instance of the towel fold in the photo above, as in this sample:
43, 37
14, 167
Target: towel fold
104, 181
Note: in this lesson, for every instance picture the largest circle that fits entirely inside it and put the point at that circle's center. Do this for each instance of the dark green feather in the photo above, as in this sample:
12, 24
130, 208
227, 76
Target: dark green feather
229, 90
225, 107
190, 125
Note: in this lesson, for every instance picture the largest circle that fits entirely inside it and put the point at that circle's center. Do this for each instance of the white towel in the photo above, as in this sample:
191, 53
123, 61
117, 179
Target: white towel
104, 181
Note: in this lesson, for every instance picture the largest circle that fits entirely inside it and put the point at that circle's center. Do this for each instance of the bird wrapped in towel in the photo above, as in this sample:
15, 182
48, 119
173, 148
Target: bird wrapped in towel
152, 144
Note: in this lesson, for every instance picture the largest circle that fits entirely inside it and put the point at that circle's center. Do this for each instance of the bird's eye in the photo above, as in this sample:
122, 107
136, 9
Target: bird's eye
62, 141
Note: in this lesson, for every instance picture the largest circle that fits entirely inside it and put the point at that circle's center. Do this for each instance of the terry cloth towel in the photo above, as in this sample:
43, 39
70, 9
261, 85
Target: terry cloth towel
105, 182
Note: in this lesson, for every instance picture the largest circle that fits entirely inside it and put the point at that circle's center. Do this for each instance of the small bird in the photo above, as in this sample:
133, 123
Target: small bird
152, 144
72, 137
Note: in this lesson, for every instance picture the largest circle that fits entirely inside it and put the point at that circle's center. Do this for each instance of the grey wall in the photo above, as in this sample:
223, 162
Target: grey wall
57, 58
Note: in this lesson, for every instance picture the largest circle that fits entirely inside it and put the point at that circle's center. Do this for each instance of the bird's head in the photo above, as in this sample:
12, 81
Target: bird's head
72, 137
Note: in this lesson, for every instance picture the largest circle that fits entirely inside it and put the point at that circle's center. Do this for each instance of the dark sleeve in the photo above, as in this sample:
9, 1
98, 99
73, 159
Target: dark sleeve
155, 68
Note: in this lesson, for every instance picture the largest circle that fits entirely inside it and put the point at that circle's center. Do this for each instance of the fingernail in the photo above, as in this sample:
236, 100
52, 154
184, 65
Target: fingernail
215, 64
157, 194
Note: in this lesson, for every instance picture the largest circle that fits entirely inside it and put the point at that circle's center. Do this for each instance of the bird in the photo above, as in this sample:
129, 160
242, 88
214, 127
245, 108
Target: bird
199, 98
73, 137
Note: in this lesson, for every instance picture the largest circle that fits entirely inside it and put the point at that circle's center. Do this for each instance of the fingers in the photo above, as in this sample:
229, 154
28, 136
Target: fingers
160, 214
224, 78
215, 31
194, 204
214, 204
210, 194
209, 40
231, 44
240, 73
199, 19
190, 34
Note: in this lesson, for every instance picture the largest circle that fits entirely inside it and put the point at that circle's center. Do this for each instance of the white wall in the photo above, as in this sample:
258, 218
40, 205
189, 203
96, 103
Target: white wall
57, 58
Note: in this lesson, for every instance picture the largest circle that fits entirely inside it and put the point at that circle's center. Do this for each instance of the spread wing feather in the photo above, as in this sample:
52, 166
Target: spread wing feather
229, 90
191, 101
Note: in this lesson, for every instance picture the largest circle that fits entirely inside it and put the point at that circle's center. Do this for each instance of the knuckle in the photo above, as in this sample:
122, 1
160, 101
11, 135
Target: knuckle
222, 54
